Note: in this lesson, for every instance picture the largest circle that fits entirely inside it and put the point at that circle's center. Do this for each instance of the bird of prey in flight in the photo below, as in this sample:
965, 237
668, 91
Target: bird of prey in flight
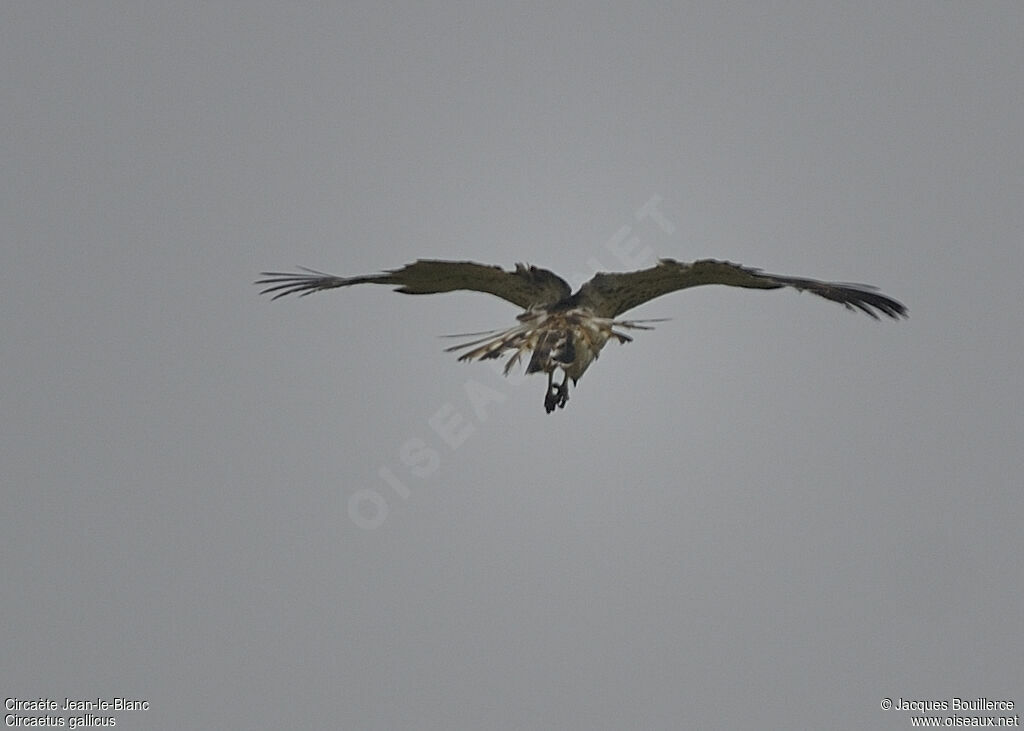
566, 330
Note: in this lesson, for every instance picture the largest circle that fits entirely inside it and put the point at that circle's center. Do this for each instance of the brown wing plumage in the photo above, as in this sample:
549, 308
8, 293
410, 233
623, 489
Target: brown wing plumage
526, 286
609, 295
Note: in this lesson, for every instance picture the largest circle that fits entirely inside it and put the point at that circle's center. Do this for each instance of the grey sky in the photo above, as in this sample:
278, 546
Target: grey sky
766, 513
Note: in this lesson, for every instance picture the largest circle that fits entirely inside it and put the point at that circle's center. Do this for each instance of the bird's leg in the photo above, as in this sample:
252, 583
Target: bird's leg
551, 396
563, 391
558, 393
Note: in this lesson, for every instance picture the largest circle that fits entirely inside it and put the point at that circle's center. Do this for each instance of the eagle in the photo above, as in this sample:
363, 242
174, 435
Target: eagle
565, 330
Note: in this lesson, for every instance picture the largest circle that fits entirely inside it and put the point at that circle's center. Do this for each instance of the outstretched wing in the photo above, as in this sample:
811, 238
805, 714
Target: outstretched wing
525, 286
609, 295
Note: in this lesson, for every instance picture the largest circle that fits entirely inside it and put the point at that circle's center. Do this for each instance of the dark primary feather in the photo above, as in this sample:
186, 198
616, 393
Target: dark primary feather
609, 295
526, 286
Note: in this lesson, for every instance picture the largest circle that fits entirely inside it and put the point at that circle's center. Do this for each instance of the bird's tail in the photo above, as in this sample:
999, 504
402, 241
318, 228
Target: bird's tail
532, 335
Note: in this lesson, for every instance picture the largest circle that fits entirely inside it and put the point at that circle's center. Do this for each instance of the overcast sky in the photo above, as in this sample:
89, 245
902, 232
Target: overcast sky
766, 513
